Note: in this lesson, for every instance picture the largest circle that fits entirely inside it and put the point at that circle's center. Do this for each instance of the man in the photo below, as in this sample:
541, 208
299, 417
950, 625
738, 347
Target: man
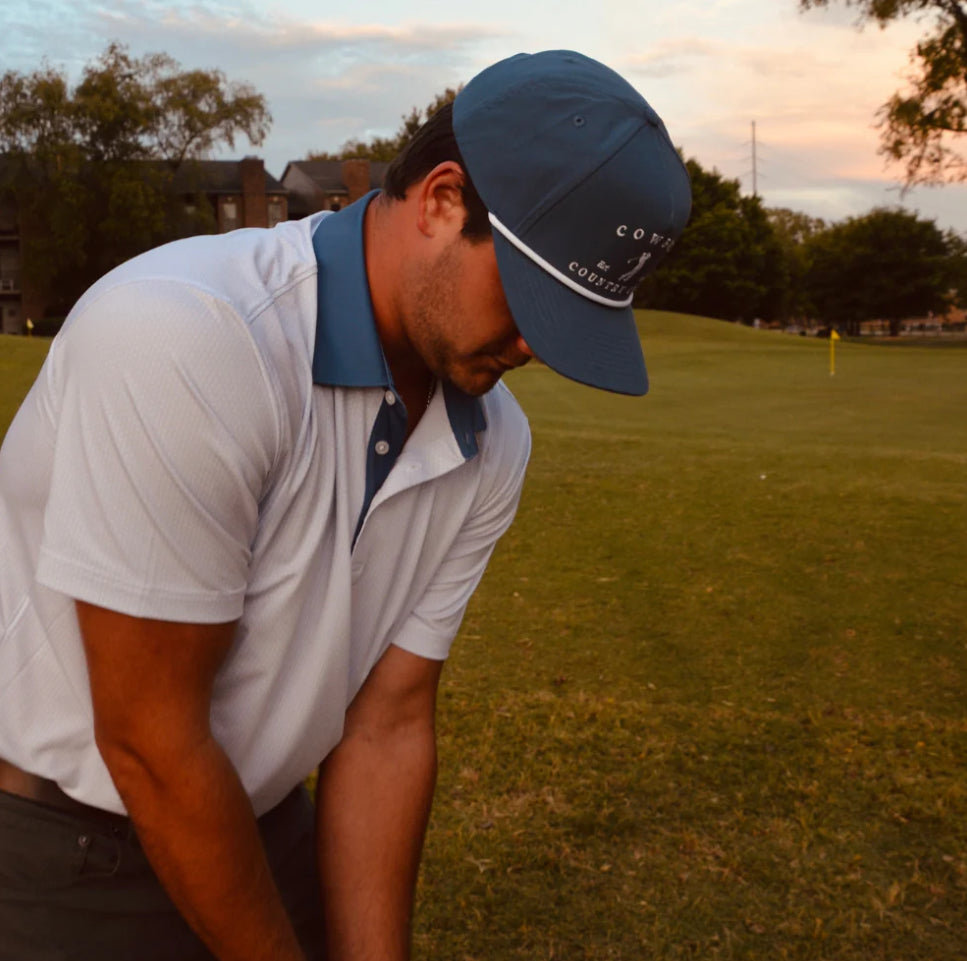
245, 504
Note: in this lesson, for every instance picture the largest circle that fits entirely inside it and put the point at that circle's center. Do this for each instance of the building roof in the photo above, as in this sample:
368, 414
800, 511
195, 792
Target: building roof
327, 174
217, 177
209, 176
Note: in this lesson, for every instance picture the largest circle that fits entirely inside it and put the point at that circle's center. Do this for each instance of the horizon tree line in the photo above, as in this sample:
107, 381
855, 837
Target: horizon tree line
91, 166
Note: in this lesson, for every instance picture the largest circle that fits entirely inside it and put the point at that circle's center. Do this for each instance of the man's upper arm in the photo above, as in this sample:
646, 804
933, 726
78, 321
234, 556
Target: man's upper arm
167, 432
151, 680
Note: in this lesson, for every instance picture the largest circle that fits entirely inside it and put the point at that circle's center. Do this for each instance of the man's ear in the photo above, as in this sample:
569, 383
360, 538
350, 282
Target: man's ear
440, 199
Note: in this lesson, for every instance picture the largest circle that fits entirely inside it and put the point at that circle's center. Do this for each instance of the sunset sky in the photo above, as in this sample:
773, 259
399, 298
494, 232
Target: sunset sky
811, 82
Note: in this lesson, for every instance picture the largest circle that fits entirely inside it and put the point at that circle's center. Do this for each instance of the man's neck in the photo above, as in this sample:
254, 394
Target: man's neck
385, 248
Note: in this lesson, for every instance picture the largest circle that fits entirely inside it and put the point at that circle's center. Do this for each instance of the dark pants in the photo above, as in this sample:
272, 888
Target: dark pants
81, 889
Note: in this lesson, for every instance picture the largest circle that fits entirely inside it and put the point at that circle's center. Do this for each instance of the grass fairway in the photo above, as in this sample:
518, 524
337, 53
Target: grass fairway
709, 700
20, 359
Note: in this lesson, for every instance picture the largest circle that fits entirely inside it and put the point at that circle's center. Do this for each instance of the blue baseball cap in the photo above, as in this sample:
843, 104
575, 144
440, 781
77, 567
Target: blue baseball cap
586, 194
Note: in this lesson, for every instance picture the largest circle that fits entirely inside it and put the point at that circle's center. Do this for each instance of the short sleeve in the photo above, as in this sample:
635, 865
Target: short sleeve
166, 435
433, 624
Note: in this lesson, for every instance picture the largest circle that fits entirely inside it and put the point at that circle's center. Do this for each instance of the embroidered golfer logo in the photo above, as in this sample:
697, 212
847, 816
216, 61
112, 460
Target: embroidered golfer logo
638, 264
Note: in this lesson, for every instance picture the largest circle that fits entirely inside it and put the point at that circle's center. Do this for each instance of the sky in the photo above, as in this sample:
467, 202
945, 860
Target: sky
811, 83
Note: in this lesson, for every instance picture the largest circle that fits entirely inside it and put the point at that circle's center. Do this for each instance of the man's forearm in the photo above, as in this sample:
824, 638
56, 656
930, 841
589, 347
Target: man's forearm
197, 828
373, 801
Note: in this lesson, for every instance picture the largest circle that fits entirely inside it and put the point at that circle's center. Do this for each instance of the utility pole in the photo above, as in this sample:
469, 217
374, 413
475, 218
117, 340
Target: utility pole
755, 185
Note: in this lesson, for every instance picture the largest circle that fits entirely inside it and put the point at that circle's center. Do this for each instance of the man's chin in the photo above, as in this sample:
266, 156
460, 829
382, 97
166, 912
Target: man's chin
477, 386
476, 383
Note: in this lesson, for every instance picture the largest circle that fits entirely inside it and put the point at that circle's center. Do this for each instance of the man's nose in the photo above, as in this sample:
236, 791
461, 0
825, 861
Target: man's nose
524, 348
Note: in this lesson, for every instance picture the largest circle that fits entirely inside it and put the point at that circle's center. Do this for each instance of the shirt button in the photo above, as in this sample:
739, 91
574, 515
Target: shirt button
390, 397
382, 447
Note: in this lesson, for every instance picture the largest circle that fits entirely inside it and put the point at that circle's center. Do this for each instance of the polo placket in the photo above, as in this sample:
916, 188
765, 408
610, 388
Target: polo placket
432, 451
347, 353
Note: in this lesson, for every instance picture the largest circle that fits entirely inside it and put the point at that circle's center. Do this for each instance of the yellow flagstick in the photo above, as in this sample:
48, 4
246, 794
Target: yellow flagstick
833, 337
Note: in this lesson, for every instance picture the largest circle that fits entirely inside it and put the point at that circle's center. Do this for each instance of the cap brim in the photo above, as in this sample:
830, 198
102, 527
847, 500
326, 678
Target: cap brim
587, 342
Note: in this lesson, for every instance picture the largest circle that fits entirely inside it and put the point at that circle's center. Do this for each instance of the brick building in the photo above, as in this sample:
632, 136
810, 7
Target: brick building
240, 193
329, 184
11, 292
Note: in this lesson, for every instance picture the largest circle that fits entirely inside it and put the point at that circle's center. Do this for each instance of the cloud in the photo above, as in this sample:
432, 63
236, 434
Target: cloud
813, 94
262, 37
362, 101
323, 110
325, 80
812, 82
671, 57
27, 28
835, 199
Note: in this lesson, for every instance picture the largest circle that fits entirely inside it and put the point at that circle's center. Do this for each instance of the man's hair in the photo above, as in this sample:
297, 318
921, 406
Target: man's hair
433, 144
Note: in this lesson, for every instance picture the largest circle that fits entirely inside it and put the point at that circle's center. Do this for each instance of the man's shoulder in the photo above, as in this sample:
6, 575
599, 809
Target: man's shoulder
245, 268
508, 432
504, 406
209, 295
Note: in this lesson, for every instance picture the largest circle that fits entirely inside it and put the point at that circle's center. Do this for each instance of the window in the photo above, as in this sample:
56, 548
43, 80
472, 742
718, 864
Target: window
275, 212
8, 217
229, 214
10, 319
9, 270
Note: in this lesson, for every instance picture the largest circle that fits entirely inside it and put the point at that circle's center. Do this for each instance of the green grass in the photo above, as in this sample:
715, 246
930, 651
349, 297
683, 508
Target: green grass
20, 359
709, 701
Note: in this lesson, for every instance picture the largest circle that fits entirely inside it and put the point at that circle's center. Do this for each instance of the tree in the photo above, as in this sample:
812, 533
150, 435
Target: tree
792, 231
386, 148
90, 165
886, 265
728, 262
919, 128
957, 267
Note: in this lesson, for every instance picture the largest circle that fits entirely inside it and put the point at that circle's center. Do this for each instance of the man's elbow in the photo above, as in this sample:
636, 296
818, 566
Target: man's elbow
407, 749
146, 755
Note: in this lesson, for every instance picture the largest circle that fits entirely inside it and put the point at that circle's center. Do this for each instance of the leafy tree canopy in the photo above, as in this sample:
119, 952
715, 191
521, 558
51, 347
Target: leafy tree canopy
728, 262
386, 148
888, 264
922, 126
128, 108
80, 158
792, 227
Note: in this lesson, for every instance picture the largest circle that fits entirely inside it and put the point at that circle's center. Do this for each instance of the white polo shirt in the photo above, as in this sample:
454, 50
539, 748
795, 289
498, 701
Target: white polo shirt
215, 435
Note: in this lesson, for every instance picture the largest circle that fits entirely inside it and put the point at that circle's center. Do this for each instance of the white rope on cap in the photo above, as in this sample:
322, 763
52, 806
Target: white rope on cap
554, 272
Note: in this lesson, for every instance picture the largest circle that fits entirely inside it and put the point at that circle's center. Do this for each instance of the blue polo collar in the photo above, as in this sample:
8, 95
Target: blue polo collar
347, 351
